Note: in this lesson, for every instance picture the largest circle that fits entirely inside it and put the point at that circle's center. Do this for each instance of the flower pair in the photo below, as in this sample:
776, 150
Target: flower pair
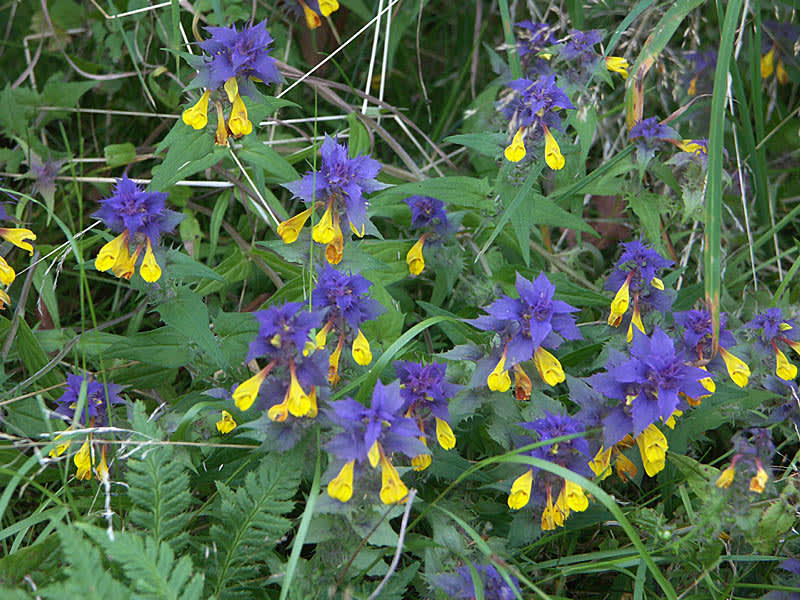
19, 237
428, 214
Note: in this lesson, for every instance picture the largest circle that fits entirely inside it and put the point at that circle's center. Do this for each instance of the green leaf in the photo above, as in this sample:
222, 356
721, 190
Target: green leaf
260, 155
165, 347
358, 142
188, 151
646, 206
468, 192
186, 313
488, 144
117, 155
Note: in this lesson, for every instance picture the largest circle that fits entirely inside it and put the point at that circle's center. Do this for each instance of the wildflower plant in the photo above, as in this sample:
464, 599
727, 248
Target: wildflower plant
340, 185
232, 60
774, 333
429, 216
140, 218
344, 304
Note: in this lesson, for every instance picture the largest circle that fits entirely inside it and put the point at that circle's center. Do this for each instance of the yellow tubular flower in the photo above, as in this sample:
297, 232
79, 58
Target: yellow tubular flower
421, 461
515, 151
601, 463
617, 64
520, 493
101, 470
392, 487
312, 19
323, 232
232, 89
444, 434
625, 468
125, 265
326, 7
414, 258
522, 384
83, 460
289, 230
245, 393
298, 401
279, 412
575, 497
61, 448
18, 237
693, 86
760, 479
150, 271
111, 251
4, 299
783, 368
226, 424
374, 454
322, 335
726, 477
333, 362
781, 74
552, 153
7, 274
619, 305
498, 380
767, 65
335, 250
360, 350
221, 136
341, 486
238, 122
636, 321
653, 448
561, 504
737, 369
655, 281
552, 517
548, 366
197, 115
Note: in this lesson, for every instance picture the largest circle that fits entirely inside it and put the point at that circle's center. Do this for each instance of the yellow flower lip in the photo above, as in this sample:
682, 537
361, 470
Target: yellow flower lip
19, 236
361, 352
552, 153
197, 116
618, 64
110, 253
392, 487
341, 486
7, 273
444, 434
548, 366
520, 493
324, 232
515, 151
227, 423
414, 258
289, 230
738, 370
653, 448
499, 380
238, 122
150, 271
620, 304
246, 393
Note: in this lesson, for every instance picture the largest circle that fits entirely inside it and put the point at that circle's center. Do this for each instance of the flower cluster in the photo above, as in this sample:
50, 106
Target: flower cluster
526, 326
531, 108
86, 402
701, 74
140, 218
779, 42
636, 275
460, 585
284, 339
774, 330
19, 237
313, 10
343, 302
426, 213
425, 393
372, 435
752, 449
571, 454
232, 60
648, 386
697, 332
534, 38
340, 185
647, 134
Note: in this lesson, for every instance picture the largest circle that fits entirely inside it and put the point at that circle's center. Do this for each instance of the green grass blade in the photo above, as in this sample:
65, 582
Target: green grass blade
513, 56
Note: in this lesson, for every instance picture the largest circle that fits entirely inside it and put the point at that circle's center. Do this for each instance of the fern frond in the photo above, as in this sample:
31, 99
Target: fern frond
158, 487
86, 576
248, 523
151, 566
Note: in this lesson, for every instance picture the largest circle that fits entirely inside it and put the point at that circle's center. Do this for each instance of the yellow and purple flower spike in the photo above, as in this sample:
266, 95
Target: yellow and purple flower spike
778, 42
775, 331
541, 486
635, 275
232, 60
140, 218
532, 109
526, 326
295, 368
340, 185
371, 436
647, 134
427, 214
426, 393
752, 448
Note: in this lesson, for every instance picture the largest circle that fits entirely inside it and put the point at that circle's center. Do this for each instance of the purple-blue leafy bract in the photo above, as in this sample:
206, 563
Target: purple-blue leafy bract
647, 134
699, 77
647, 385
427, 212
283, 332
526, 325
533, 39
697, 329
140, 218
99, 397
536, 103
459, 585
340, 184
579, 46
243, 55
571, 454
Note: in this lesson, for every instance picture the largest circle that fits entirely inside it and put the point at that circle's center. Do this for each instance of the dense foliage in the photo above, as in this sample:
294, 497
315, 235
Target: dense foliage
393, 299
